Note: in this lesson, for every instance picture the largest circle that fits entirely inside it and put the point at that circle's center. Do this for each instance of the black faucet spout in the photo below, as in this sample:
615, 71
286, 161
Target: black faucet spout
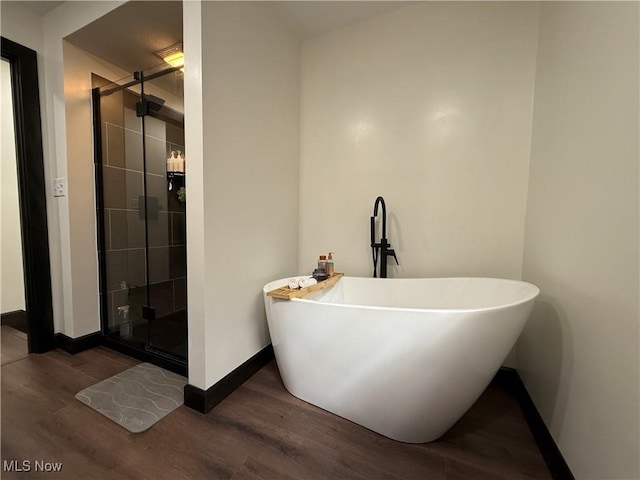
380, 250
380, 201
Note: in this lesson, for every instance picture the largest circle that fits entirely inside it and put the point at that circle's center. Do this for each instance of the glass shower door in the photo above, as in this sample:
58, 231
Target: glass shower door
122, 223
166, 210
141, 211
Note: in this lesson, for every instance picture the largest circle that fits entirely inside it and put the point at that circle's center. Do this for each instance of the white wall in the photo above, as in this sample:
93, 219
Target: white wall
250, 72
197, 271
578, 355
22, 25
429, 106
11, 268
73, 313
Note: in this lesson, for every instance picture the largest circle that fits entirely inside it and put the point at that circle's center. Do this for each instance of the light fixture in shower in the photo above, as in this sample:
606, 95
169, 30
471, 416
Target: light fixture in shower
173, 55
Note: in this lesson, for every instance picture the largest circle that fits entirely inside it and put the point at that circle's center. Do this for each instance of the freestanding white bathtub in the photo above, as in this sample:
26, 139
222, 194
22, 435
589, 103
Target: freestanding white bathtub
403, 357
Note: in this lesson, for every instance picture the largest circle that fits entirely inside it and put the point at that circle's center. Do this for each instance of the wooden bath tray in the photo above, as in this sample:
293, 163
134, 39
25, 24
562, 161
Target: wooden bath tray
287, 293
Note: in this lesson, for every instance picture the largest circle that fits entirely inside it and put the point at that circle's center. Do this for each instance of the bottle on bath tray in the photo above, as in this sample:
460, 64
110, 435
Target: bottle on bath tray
330, 266
322, 263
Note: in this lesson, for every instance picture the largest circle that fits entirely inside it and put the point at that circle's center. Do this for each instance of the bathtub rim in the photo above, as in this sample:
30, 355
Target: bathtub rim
530, 297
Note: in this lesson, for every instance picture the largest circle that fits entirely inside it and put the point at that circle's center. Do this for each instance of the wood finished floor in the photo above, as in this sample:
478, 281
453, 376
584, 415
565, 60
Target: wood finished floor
259, 432
13, 345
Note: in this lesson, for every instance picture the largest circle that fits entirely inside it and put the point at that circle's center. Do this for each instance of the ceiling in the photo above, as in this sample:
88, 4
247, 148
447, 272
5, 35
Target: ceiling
40, 8
311, 18
129, 35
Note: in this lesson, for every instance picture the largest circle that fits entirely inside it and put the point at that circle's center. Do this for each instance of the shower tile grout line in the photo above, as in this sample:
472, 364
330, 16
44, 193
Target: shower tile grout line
135, 171
135, 131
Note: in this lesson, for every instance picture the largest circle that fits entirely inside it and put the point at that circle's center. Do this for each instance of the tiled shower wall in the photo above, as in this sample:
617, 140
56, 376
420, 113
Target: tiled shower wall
122, 156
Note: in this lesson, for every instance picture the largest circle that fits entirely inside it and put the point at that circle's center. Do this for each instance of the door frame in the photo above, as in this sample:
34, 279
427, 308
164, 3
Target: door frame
32, 194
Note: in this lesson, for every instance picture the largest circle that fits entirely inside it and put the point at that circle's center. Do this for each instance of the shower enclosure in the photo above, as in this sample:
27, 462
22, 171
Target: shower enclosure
140, 190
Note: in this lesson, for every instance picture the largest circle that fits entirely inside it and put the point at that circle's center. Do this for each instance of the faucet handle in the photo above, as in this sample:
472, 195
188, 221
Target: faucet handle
392, 253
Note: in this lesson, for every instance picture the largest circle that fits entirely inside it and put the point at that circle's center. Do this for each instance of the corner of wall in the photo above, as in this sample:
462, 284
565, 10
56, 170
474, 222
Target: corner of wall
578, 355
194, 144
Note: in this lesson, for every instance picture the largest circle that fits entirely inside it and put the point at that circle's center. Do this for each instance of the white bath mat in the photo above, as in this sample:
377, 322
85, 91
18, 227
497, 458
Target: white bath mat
137, 398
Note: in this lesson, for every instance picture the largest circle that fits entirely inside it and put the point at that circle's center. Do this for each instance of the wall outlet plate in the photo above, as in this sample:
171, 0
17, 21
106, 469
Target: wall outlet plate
59, 187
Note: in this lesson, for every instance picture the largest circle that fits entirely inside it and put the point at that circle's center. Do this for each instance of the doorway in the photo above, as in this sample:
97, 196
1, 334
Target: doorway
30, 251
12, 300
